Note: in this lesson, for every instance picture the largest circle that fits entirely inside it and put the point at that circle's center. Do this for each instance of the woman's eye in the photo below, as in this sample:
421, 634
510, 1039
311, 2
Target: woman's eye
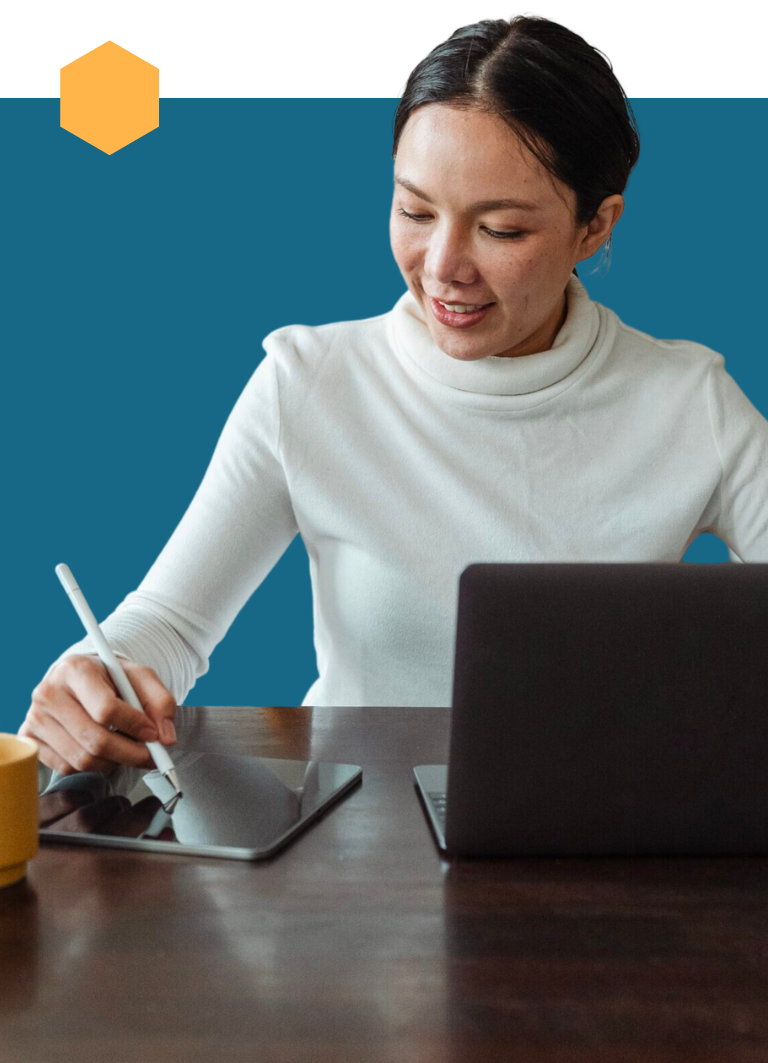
491, 232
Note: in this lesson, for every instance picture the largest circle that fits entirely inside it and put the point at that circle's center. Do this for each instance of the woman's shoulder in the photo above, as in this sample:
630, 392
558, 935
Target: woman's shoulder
646, 352
302, 346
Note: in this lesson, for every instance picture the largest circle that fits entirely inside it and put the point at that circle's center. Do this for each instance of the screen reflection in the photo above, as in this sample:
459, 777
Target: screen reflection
242, 803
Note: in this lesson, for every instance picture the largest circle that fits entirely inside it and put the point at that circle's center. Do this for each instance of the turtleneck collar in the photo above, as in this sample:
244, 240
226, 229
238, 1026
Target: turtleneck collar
494, 375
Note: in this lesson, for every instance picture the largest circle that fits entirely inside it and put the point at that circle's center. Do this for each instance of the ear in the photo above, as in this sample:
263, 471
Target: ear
597, 231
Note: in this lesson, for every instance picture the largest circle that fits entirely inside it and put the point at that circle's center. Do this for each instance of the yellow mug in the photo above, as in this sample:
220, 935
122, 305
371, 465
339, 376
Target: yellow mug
18, 806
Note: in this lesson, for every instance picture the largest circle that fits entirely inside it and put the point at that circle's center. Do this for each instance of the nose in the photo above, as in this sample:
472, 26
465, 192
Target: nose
447, 258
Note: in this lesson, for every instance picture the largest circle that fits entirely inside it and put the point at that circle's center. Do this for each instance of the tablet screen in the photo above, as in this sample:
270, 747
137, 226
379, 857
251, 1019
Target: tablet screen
237, 806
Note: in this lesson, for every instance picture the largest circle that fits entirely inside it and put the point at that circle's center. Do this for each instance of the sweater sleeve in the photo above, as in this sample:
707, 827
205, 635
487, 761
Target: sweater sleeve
740, 435
237, 526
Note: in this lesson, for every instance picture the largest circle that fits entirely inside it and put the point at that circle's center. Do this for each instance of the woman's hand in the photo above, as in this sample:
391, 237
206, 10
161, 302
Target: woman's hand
76, 716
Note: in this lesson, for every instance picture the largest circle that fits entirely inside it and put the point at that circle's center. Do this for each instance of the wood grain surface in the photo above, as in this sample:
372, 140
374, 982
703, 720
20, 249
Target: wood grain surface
359, 943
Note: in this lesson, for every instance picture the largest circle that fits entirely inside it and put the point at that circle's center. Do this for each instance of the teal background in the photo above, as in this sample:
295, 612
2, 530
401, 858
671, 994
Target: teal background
137, 289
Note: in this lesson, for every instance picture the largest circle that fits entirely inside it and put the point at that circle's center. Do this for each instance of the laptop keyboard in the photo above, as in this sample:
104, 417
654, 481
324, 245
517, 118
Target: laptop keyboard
438, 803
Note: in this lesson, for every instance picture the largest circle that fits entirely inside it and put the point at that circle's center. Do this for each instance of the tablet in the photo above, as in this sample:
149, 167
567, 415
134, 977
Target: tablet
236, 807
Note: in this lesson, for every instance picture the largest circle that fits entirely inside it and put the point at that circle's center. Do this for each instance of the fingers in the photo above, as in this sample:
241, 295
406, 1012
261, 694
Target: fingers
90, 686
81, 724
47, 756
76, 740
157, 701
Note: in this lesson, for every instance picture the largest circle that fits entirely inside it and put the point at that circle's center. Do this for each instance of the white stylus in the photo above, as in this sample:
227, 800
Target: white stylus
118, 676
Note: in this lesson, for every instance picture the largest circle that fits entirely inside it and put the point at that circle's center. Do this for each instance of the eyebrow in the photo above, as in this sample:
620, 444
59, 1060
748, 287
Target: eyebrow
483, 205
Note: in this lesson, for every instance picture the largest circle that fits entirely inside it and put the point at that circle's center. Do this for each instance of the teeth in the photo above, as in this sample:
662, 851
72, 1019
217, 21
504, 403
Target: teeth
457, 308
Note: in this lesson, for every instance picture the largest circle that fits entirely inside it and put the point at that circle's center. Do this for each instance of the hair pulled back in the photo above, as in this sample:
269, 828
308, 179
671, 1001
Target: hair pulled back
557, 93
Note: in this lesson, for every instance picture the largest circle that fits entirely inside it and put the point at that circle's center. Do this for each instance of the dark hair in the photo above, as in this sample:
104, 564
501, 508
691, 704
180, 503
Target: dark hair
555, 91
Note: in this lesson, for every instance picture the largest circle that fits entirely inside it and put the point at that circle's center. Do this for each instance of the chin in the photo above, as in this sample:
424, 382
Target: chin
460, 356
469, 357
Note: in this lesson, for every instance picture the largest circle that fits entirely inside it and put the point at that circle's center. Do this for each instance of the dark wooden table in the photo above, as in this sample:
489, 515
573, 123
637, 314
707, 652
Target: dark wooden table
358, 943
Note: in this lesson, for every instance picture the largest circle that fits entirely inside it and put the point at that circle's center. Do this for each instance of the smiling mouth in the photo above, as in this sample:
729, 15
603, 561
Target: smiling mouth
469, 308
462, 319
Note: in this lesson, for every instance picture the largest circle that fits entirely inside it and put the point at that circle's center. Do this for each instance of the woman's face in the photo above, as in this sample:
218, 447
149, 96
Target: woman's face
455, 250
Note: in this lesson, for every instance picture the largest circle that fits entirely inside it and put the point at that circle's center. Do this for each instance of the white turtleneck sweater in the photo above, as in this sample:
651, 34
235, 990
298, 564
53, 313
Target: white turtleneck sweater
399, 466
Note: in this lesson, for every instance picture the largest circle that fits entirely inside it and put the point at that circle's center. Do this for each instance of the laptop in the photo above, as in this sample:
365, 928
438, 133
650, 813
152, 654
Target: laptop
606, 709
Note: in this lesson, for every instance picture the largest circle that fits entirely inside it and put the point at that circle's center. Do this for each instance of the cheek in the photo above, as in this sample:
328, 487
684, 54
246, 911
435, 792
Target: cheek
520, 261
407, 247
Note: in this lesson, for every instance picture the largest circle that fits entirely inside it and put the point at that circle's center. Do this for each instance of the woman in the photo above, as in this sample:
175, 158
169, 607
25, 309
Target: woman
495, 413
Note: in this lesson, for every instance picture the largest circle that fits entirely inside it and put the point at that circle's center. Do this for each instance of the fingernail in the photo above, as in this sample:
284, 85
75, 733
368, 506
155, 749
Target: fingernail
168, 730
